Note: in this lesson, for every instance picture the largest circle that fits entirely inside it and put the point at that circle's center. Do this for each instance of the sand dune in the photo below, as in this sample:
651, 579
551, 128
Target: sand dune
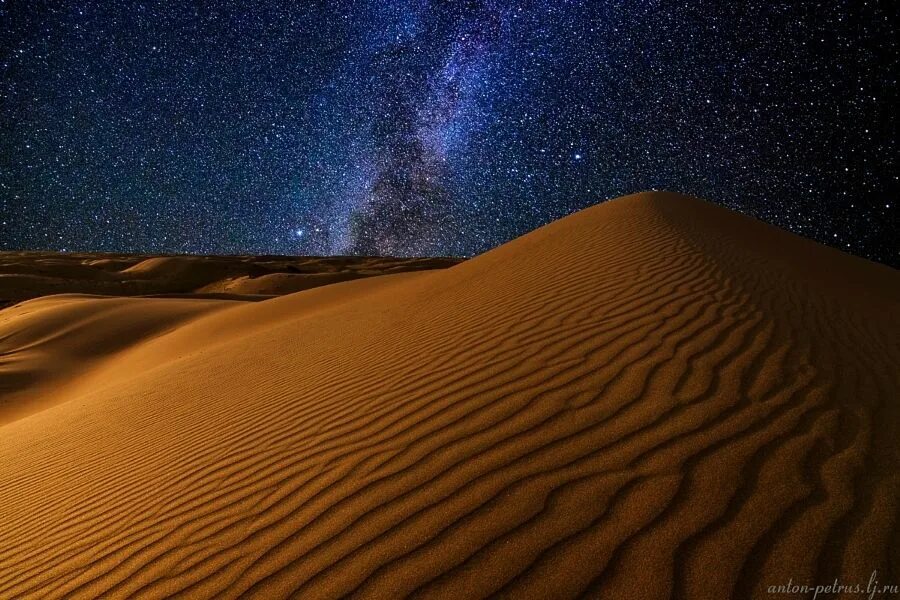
26, 275
654, 397
47, 342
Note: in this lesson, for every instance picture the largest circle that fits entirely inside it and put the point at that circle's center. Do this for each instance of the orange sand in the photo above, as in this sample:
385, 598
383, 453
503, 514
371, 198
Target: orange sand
653, 397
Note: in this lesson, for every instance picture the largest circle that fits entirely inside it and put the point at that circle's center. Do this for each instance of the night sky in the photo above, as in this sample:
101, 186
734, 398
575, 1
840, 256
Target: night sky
409, 127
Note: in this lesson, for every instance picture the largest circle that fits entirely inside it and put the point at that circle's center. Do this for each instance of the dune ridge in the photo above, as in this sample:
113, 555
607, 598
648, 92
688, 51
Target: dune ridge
654, 397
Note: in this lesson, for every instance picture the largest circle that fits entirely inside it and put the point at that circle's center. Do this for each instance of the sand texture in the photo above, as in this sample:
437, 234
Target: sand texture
651, 398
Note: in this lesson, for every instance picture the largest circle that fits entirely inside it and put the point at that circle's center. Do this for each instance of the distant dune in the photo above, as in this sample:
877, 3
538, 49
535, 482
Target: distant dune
26, 275
652, 398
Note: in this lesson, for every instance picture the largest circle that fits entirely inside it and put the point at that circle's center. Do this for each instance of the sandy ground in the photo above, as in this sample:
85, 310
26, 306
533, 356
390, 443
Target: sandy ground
651, 398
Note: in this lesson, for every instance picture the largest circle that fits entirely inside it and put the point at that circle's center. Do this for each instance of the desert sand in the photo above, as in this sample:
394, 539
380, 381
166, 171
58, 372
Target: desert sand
651, 398
26, 275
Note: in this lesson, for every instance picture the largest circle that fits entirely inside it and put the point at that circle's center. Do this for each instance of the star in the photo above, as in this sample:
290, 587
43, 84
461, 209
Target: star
424, 127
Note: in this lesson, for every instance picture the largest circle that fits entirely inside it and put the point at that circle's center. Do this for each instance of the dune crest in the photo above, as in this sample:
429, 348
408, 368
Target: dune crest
653, 397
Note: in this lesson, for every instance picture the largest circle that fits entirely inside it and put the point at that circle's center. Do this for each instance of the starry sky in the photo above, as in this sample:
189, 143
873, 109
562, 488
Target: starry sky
417, 127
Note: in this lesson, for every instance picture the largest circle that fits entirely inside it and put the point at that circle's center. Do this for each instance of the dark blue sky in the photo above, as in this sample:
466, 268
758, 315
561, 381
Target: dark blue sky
415, 127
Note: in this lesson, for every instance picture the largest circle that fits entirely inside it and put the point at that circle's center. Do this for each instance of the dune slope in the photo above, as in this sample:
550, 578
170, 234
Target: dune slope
48, 342
653, 397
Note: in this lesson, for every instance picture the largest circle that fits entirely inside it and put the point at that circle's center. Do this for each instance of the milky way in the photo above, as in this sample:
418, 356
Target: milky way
419, 88
425, 128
